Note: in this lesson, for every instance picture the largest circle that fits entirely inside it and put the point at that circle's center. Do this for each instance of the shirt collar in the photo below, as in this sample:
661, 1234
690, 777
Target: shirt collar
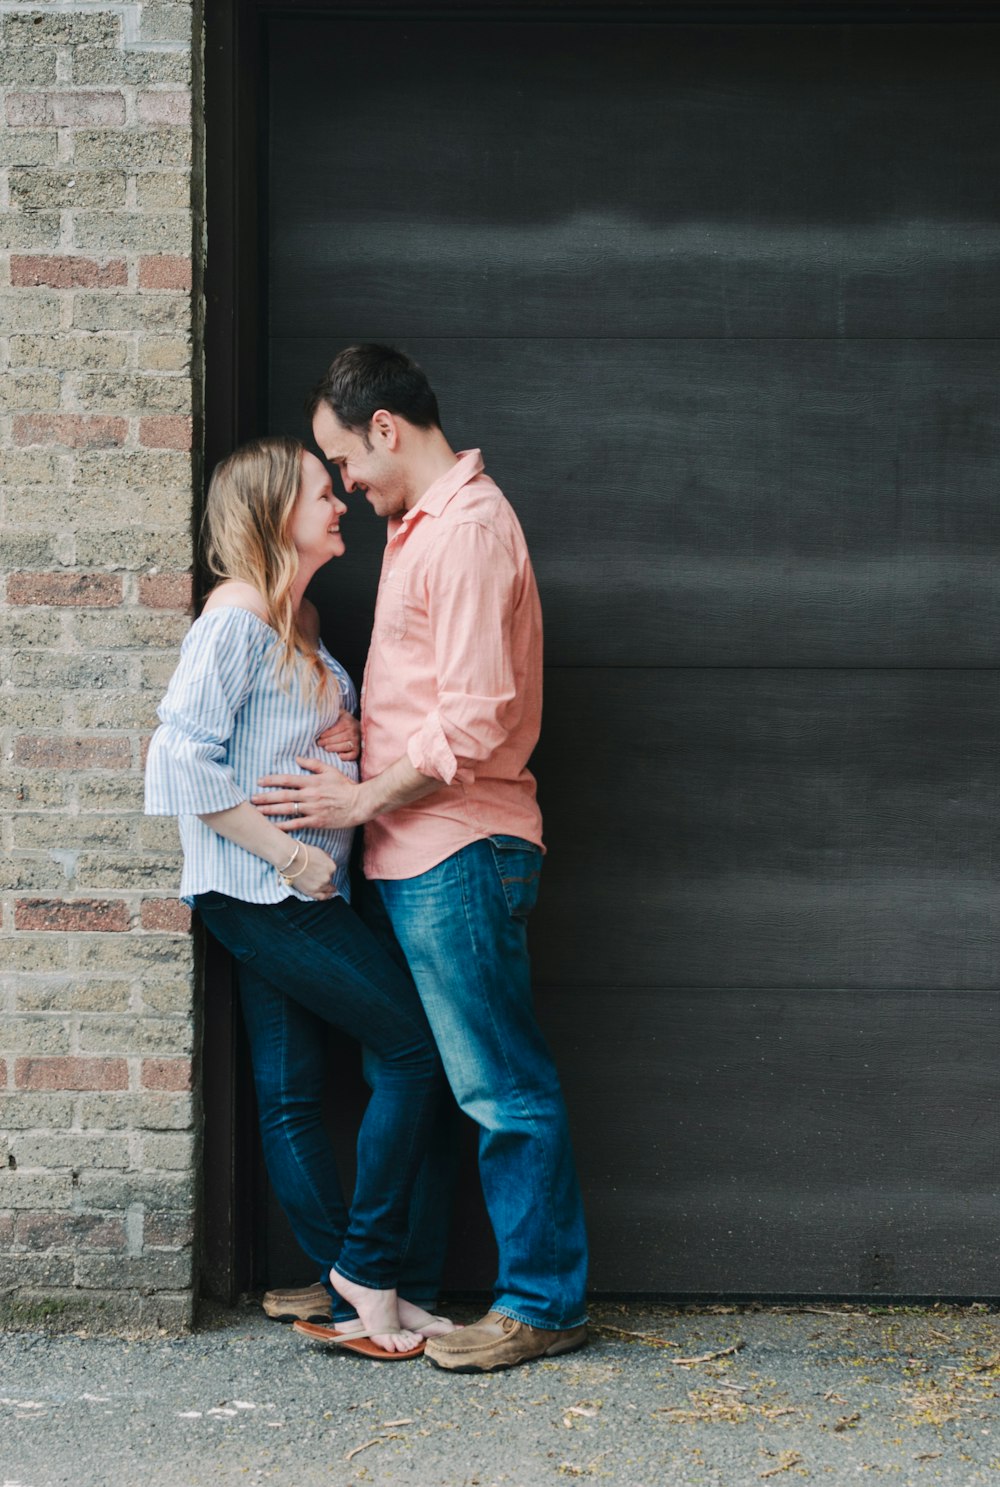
435, 498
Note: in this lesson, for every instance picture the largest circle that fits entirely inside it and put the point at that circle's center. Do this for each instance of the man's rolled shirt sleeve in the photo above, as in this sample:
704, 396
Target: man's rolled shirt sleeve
469, 604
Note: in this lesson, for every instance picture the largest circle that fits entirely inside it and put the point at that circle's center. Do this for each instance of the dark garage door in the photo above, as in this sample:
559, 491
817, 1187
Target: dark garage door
718, 302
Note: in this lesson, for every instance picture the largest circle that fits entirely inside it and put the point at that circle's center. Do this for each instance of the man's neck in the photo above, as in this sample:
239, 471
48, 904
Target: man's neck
432, 457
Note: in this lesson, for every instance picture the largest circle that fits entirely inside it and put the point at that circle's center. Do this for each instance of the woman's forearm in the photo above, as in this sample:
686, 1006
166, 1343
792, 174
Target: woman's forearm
244, 825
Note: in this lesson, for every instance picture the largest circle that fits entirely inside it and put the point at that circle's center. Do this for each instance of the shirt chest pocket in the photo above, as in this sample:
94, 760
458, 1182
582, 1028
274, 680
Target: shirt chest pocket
391, 615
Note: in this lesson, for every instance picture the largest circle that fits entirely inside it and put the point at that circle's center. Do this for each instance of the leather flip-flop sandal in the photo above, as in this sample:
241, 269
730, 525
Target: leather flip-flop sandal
354, 1342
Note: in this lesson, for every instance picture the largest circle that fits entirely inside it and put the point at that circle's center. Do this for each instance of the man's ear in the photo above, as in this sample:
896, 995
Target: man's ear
385, 427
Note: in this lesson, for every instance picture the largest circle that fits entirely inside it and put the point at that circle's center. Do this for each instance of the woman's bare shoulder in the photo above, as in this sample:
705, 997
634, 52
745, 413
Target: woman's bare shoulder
233, 593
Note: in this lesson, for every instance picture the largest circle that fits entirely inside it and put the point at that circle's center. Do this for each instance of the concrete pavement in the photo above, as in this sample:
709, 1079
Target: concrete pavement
723, 1395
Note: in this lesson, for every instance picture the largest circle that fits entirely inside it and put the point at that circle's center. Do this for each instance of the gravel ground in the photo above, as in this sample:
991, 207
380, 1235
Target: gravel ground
721, 1395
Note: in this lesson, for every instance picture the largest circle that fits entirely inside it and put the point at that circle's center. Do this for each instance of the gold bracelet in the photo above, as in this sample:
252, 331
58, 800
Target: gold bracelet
283, 870
290, 878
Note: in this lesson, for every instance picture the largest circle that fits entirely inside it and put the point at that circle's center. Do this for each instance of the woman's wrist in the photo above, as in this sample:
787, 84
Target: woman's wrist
298, 865
279, 850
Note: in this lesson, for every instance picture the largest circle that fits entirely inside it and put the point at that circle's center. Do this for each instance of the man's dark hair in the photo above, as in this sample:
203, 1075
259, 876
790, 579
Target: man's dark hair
363, 379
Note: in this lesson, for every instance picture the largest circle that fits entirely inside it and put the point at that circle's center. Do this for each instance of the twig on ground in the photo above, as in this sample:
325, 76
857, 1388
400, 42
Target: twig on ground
707, 1357
788, 1460
376, 1440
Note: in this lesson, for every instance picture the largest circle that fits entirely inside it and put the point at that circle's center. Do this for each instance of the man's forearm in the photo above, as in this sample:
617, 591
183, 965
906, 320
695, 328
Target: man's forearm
396, 786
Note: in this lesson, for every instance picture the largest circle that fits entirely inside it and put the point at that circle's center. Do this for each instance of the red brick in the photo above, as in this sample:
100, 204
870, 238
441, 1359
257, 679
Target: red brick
172, 431
166, 1073
88, 1231
97, 590
95, 915
63, 272
30, 109
53, 751
165, 271
166, 591
170, 1230
65, 109
74, 430
167, 914
165, 108
71, 1073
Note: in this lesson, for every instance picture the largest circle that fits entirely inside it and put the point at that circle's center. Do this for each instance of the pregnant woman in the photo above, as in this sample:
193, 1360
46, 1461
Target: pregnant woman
254, 688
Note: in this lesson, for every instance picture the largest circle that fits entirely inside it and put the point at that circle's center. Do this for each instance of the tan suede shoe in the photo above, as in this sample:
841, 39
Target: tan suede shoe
309, 1304
500, 1342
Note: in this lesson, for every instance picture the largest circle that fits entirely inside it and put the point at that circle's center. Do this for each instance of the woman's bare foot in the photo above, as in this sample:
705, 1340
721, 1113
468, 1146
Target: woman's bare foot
414, 1318
424, 1322
379, 1314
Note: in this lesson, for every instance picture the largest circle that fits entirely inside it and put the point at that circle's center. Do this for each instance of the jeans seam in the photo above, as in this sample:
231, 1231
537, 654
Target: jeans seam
503, 1310
290, 1145
549, 1192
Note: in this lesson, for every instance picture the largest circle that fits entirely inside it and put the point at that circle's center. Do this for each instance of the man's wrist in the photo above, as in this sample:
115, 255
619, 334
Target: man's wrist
364, 805
399, 785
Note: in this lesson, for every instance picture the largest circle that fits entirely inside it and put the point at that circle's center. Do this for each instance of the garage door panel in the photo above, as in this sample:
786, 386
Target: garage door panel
720, 305
769, 828
742, 181
712, 503
746, 1142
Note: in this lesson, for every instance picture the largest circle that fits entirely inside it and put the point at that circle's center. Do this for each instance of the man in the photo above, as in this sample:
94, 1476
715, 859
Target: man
451, 711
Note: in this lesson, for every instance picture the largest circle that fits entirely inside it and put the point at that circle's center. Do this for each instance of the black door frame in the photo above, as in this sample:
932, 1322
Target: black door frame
235, 294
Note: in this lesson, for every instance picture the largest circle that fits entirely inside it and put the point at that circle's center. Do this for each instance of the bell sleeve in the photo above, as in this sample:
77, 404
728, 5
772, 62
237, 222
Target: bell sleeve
187, 769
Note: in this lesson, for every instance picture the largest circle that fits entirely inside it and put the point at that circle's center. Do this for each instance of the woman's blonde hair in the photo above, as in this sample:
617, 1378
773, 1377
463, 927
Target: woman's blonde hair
245, 535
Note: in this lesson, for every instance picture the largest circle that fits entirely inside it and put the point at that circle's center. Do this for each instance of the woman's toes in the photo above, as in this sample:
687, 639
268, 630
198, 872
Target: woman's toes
397, 1342
424, 1322
437, 1327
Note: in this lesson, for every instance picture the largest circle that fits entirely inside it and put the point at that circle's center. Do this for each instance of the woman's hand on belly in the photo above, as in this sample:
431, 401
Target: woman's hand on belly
316, 878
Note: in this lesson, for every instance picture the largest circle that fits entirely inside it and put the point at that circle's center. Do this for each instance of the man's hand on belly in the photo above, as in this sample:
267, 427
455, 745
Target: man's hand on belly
328, 800
323, 799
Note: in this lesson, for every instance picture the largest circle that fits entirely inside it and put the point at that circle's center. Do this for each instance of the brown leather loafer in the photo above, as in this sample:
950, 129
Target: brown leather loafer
500, 1342
308, 1304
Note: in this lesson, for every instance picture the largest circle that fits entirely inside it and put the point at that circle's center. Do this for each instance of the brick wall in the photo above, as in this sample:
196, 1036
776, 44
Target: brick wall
98, 207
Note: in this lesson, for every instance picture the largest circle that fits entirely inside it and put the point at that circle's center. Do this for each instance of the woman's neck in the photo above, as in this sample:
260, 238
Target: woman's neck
303, 579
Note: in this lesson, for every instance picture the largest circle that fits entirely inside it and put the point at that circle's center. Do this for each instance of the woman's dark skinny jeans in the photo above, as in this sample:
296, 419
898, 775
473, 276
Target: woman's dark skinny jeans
299, 961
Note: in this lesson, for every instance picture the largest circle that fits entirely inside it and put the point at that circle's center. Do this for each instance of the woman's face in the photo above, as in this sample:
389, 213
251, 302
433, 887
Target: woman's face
315, 525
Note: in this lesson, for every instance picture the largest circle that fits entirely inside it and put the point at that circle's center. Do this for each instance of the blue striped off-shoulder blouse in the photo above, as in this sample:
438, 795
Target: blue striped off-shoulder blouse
227, 719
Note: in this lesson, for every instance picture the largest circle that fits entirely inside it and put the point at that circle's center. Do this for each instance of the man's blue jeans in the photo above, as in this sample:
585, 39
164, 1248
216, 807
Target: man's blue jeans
300, 966
462, 928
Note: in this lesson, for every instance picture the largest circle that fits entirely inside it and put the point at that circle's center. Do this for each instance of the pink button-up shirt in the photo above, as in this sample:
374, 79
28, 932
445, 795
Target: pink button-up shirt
454, 674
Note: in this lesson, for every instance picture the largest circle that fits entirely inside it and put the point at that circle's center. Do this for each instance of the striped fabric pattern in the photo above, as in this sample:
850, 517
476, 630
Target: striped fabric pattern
227, 719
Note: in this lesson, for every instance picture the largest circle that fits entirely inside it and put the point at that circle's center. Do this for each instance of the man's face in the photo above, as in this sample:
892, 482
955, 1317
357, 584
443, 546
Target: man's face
374, 471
